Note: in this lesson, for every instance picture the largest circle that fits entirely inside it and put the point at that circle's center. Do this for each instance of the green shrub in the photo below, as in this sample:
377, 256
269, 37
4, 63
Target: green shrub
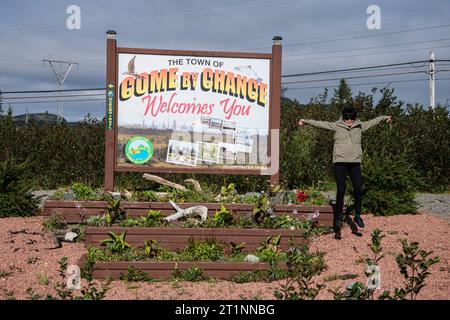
147, 195
15, 191
54, 222
116, 242
154, 218
133, 275
83, 192
194, 274
223, 217
389, 186
202, 251
251, 276
302, 265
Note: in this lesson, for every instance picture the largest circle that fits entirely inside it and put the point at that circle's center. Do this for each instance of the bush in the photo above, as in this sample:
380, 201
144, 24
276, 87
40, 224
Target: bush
83, 192
202, 251
15, 191
60, 155
389, 186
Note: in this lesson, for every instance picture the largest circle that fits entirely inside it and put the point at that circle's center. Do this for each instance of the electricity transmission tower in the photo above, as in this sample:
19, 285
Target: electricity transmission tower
60, 69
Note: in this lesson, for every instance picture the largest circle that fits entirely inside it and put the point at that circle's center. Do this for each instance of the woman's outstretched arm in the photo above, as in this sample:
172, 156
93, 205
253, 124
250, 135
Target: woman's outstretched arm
318, 124
366, 125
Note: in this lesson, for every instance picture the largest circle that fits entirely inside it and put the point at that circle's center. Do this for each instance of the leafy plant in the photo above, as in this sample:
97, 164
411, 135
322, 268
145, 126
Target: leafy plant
154, 218
97, 221
389, 186
135, 276
223, 217
152, 248
55, 222
414, 264
235, 248
114, 212
270, 251
87, 292
83, 192
116, 243
265, 207
208, 250
251, 276
148, 195
194, 274
15, 190
228, 193
358, 290
302, 266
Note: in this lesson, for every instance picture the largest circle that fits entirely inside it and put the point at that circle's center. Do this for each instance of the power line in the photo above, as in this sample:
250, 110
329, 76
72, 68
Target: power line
367, 54
366, 48
364, 84
55, 101
63, 96
49, 91
357, 68
369, 36
355, 77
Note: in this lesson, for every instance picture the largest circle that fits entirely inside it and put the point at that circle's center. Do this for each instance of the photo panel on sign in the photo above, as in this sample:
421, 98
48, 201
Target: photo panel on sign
183, 153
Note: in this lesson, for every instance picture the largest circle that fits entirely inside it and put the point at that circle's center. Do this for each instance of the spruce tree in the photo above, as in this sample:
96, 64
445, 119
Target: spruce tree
342, 96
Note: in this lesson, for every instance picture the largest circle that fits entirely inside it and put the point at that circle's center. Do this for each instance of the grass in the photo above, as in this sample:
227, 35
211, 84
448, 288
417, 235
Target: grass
5, 274
335, 276
43, 279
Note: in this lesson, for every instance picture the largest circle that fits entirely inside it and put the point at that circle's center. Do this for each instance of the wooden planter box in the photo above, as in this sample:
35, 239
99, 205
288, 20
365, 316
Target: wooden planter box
78, 211
178, 238
163, 270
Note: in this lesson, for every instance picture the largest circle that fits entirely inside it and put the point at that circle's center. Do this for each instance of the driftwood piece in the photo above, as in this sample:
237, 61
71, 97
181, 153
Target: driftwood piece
202, 211
195, 183
164, 182
127, 194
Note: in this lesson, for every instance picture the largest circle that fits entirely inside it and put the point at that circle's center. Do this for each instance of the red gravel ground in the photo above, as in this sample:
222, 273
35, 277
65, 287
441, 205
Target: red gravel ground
27, 262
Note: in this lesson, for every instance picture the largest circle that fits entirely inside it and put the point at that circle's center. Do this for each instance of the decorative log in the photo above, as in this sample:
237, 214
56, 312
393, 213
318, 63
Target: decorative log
195, 183
164, 182
127, 194
200, 210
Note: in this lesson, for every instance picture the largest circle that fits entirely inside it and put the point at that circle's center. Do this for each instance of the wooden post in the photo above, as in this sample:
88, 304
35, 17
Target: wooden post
276, 109
110, 141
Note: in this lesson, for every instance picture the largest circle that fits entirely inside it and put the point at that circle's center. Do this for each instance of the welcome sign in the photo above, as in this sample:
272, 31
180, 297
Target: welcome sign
192, 111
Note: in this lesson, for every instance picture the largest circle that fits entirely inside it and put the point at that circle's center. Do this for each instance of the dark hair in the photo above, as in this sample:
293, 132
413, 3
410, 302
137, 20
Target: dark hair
349, 113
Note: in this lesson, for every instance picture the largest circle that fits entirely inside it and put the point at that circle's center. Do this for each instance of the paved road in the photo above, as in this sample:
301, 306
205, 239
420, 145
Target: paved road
434, 203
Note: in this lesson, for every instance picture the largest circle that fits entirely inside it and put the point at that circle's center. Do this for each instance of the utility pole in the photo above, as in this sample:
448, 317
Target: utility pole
61, 75
432, 73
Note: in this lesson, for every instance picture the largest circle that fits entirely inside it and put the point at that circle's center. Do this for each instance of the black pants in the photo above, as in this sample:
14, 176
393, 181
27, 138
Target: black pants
340, 173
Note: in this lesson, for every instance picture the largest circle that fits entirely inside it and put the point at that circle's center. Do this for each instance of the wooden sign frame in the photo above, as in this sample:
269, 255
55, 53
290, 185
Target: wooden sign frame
111, 126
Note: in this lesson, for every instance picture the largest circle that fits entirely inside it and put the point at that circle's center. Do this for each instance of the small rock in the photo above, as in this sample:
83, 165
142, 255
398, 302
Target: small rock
115, 195
251, 258
162, 196
70, 236
69, 195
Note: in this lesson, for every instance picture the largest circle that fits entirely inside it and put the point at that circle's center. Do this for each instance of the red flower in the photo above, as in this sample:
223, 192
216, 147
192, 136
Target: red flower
301, 196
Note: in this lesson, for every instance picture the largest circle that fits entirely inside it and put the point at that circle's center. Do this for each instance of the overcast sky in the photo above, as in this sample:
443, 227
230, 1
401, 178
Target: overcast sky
317, 35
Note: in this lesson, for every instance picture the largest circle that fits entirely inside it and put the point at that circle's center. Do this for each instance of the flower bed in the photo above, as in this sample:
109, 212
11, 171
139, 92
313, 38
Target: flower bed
78, 211
177, 238
197, 260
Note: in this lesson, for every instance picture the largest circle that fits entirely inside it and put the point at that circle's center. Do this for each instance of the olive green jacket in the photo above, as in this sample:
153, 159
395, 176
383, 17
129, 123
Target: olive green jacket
347, 140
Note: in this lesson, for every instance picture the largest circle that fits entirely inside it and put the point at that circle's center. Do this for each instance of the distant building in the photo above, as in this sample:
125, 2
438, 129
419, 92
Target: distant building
38, 118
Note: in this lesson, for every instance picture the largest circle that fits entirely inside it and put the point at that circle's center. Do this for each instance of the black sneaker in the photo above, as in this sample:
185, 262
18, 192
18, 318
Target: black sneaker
337, 235
338, 222
359, 222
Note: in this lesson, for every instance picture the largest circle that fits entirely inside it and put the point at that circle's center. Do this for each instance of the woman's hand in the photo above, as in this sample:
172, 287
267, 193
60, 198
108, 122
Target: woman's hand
389, 120
301, 122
